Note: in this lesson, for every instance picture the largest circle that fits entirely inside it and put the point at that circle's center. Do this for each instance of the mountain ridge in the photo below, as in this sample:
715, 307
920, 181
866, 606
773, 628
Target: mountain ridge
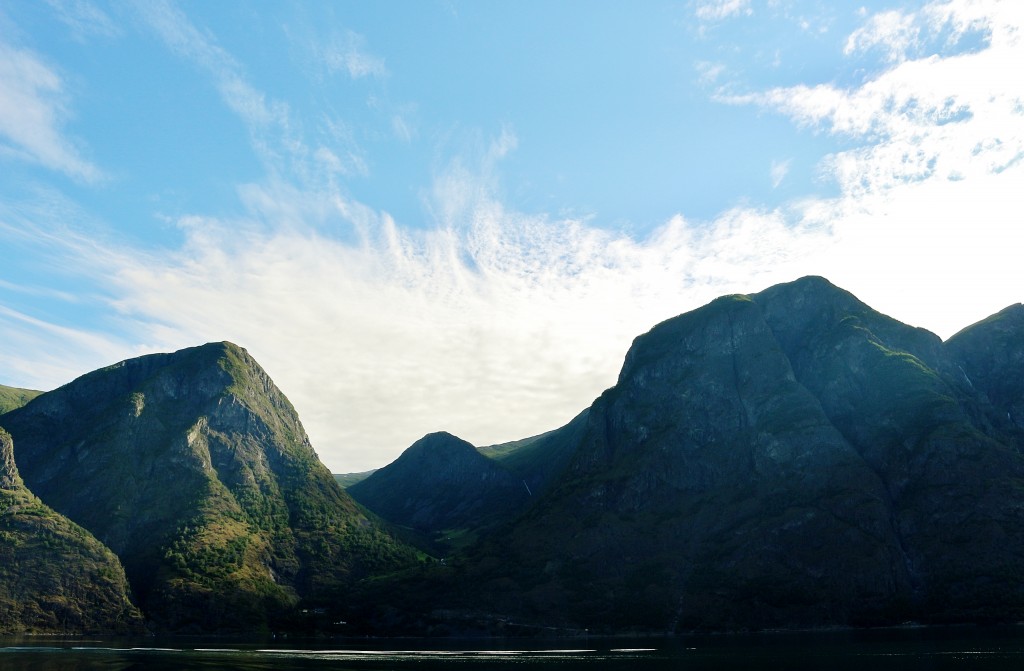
790, 458
782, 459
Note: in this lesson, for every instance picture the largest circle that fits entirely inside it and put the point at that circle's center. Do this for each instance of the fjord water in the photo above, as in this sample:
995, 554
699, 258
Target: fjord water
909, 649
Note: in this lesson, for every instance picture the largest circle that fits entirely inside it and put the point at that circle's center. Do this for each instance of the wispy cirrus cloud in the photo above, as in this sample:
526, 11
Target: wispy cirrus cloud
278, 137
778, 172
84, 19
33, 111
347, 53
496, 326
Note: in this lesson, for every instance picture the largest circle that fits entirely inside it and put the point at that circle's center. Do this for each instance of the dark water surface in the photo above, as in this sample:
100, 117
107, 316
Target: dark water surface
903, 649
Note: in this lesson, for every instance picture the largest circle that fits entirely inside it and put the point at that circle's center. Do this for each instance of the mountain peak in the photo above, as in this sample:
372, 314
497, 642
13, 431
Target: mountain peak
195, 469
444, 482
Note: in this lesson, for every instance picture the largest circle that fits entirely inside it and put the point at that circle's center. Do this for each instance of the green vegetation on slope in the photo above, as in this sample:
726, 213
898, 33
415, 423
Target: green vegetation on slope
12, 397
55, 577
194, 468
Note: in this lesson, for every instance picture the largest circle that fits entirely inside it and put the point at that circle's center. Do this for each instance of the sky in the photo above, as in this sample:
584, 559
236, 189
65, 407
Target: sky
441, 215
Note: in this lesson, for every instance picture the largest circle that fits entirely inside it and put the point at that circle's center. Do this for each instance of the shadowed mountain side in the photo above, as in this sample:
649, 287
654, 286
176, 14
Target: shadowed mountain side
540, 460
443, 486
990, 354
441, 482
954, 482
786, 459
194, 468
710, 490
791, 458
55, 577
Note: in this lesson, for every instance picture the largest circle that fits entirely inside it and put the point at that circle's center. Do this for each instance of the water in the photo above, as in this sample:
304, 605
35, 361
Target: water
903, 649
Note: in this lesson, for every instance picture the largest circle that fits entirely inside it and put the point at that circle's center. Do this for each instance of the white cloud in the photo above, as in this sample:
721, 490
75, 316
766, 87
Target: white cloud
496, 324
929, 117
39, 354
936, 26
716, 10
893, 31
930, 189
33, 109
494, 331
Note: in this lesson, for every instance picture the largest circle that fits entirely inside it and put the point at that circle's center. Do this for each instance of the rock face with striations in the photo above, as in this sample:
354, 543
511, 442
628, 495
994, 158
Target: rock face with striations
55, 577
788, 458
195, 470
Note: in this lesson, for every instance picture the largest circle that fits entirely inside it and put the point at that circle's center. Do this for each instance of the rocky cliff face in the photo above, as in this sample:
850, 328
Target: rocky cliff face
194, 468
790, 458
441, 482
55, 577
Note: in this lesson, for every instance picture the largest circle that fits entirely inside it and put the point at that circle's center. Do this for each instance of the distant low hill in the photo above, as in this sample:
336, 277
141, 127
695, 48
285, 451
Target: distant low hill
346, 480
12, 397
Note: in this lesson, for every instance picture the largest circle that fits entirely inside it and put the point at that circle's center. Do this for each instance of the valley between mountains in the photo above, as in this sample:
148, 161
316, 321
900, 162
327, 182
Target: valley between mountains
785, 459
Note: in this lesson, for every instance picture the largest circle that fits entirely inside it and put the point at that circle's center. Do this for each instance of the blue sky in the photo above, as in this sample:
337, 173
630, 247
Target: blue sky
442, 215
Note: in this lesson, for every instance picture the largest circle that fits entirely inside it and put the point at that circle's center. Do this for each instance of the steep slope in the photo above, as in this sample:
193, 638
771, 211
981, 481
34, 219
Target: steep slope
441, 482
194, 468
55, 577
954, 483
990, 354
791, 458
540, 460
13, 397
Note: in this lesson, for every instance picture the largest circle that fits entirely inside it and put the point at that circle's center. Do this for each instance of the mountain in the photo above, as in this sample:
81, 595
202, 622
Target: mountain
12, 397
55, 577
195, 470
441, 482
791, 458
990, 354
452, 492
346, 480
